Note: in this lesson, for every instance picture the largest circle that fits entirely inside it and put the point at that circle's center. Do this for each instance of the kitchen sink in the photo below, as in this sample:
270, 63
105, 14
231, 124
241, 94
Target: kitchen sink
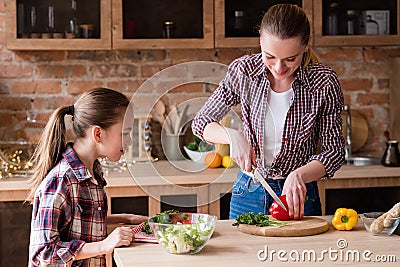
362, 161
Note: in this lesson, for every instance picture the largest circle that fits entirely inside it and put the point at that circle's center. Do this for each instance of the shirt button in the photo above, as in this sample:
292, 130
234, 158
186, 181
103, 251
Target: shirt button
99, 208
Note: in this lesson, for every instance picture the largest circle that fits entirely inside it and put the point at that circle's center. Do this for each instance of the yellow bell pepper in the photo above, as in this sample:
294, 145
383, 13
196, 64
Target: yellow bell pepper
344, 219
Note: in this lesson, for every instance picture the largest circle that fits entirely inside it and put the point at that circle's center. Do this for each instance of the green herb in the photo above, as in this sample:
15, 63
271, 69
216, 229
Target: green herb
159, 219
193, 146
198, 145
260, 220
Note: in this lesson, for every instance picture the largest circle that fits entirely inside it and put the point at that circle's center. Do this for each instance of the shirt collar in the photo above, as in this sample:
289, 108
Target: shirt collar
80, 170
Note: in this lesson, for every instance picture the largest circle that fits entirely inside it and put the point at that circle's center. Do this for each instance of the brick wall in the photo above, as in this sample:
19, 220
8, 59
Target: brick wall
44, 80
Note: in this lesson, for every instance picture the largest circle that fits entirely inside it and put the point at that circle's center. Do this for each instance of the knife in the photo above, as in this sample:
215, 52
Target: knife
261, 179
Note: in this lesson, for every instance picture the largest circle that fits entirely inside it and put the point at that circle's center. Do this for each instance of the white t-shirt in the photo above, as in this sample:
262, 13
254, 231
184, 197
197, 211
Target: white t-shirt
277, 108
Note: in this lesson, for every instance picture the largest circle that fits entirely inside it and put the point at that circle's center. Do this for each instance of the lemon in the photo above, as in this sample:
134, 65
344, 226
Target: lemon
227, 162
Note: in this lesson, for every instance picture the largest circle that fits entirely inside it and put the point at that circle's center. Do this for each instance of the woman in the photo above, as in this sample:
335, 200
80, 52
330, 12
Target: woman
290, 103
69, 213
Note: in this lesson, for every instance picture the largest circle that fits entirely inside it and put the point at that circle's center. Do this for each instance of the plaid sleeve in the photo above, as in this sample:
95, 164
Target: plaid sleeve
52, 213
332, 140
221, 101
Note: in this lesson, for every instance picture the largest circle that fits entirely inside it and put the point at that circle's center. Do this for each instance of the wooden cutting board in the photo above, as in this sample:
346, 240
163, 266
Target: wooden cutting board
303, 227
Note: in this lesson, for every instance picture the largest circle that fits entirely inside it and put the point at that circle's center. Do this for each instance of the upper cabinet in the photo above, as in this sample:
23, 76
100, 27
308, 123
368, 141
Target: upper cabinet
163, 24
188, 24
356, 22
58, 24
237, 22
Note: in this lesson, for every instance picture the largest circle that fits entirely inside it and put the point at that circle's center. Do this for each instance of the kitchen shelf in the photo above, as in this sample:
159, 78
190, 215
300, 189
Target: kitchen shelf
90, 12
139, 25
321, 38
244, 31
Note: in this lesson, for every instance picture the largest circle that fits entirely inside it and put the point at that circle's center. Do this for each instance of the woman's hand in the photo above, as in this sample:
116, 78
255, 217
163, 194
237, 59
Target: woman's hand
295, 186
295, 191
121, 236
240, 150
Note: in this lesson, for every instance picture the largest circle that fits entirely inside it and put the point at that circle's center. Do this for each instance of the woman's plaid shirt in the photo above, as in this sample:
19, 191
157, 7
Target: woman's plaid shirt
69, 209
314, 115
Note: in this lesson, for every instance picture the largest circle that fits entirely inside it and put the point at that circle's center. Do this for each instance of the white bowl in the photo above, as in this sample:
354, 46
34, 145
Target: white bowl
197, 156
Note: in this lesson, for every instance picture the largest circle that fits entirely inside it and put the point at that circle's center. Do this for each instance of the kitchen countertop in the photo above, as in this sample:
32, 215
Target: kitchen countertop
229, 247
163, 173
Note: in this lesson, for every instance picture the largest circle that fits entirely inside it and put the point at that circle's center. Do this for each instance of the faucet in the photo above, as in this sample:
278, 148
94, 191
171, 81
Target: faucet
348, 142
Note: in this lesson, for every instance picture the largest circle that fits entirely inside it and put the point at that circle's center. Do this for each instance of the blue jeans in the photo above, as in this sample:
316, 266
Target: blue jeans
248, 196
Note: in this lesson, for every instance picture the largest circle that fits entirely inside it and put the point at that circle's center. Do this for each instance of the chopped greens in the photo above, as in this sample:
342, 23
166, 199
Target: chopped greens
259, 220
181, 238
159, 219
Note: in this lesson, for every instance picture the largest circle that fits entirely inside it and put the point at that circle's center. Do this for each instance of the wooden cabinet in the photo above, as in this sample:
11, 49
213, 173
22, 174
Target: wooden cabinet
140, 24
197, 24
352, 23
237, 23
93, 17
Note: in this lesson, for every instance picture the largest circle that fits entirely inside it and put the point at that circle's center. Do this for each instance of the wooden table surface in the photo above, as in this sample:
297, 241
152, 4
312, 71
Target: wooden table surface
229, 247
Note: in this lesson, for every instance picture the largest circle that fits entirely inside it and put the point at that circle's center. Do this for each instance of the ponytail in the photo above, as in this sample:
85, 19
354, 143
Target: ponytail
49, 149
309, 57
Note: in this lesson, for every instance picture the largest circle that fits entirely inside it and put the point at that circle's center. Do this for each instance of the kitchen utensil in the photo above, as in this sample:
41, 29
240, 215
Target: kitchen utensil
359, 131
391, 156
304, 227
259, 177
181, 119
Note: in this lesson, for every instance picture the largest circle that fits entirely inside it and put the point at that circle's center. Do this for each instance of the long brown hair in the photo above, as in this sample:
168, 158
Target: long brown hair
100, 106
289, 21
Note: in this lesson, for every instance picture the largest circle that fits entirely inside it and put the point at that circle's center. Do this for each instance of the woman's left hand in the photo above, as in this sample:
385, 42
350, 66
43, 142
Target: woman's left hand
295, 191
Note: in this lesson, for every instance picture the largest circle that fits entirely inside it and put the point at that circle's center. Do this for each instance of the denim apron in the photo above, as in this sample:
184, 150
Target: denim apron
250, 196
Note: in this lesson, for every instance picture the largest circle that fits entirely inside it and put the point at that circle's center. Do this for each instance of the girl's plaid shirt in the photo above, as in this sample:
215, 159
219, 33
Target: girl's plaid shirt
69, 209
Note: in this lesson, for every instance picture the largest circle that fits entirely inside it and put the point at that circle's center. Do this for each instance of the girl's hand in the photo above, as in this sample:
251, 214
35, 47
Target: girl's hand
121, 236
240, 150
295, 191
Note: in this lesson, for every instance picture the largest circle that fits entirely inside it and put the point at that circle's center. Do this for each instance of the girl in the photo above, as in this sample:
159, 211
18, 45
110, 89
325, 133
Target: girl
69, 214
290, 103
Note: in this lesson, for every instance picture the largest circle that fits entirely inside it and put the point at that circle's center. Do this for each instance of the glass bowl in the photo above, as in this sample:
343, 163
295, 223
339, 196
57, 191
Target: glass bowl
183, 233
369, 217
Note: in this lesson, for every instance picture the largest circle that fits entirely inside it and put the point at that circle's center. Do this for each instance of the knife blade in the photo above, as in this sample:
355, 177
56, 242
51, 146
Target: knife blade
267, 187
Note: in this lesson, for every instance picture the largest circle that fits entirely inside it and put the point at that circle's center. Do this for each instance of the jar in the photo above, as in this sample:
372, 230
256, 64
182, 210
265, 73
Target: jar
332, 20
351, 18
87, 30
239, 20
169, 28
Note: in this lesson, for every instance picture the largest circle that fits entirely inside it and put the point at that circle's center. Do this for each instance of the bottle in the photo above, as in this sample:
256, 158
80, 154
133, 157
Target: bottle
51, 23
351, 18
72, 28
34, 29
238, 24
169, 29
371, 26
332, 20
21, 20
